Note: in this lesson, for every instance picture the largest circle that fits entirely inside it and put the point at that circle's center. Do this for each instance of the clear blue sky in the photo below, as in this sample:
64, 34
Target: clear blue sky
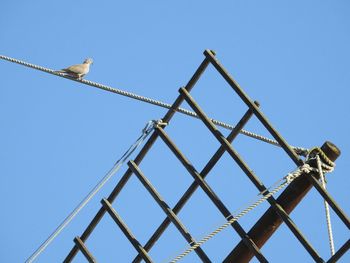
59, 137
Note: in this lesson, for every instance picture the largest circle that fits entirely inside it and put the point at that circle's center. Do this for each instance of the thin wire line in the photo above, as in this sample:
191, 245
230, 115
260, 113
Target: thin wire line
145, 132
298, 150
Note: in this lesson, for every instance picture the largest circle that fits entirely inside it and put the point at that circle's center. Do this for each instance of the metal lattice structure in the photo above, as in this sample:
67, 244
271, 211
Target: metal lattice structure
251, 242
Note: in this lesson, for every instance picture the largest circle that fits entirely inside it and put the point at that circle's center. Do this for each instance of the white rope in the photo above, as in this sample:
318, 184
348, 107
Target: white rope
304, 169
299, 150
326, 206
145, 132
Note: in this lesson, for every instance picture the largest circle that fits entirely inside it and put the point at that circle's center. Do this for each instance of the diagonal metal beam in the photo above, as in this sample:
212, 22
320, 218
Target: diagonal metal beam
194, 186
245, 98
203, 184
80, 244
341, 251
218, 135
167, 210
222, 140
101, 212
324, 193
193, 172
126, 230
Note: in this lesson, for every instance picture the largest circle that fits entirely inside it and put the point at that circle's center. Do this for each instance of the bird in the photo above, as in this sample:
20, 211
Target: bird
77, 71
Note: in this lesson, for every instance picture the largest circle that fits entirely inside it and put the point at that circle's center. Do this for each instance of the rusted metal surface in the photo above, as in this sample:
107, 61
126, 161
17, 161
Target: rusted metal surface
270, 221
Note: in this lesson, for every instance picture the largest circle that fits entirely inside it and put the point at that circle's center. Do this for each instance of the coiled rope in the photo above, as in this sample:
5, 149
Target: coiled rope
145, 132
324, 166
299, 150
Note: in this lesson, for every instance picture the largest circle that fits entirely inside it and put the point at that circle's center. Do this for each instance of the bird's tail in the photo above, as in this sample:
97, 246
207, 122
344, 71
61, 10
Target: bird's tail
61, 71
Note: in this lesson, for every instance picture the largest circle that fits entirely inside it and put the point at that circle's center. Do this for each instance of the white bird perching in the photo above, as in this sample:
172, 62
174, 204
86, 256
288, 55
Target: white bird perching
78, 71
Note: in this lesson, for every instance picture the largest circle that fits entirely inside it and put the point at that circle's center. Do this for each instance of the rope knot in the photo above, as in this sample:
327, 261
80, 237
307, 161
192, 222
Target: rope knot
316, 156
305, 168
152, 124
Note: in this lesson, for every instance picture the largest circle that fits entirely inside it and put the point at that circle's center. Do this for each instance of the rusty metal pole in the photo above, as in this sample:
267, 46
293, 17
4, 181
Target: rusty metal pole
270, 221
